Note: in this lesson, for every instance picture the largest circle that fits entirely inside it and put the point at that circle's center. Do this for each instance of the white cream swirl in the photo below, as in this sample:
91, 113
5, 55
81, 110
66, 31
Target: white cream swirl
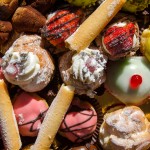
88, 66
20, 67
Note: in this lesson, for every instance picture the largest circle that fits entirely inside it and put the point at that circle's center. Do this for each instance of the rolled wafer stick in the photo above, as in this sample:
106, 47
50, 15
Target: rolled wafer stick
93, 25
9, 128
53, 118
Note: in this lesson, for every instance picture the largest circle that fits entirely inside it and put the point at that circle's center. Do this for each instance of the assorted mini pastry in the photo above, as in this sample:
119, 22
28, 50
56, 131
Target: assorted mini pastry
29, 110
74, 75
126, 128
84, 70
28, 64
120, 38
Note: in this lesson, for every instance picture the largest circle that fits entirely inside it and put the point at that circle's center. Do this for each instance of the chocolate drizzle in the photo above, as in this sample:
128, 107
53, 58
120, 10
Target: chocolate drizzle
70, 128
32, 122
62, 24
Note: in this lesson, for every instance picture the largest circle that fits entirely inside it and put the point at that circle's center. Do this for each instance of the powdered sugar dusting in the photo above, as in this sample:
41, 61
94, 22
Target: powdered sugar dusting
112, 6
21, 119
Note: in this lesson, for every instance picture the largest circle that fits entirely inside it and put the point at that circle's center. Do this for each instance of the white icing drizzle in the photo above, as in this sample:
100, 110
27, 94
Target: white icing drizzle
88, 66
20, 67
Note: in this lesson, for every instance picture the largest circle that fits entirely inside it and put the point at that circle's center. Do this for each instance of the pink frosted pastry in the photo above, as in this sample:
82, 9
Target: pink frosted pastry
79, 122
30, 110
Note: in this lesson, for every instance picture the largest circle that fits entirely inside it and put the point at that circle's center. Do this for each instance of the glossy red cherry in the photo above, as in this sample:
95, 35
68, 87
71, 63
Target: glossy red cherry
135, 81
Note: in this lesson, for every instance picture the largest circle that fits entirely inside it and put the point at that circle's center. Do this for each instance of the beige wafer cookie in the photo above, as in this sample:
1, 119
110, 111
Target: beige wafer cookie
93, 25
53, 118
9, 128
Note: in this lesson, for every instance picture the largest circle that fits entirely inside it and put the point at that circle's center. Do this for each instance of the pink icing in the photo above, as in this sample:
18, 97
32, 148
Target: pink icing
28, 107
80, 121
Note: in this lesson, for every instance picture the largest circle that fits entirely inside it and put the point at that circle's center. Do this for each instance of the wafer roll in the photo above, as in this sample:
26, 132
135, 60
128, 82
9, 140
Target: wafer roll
53, 118
9, 128
93, 25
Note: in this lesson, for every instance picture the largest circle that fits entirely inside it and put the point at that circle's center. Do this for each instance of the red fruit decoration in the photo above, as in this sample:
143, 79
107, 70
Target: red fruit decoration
135, 81
118, 40
61, 25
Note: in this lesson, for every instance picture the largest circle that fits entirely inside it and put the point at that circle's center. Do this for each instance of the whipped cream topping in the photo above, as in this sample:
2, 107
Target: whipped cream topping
20, 67
88, 66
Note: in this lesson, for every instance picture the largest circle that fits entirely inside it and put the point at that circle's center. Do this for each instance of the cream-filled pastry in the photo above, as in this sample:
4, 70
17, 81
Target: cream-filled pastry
28, 64
85, 70
125, 129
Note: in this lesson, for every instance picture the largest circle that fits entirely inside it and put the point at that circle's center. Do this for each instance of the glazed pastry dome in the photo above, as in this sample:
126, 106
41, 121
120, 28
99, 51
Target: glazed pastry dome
128, 79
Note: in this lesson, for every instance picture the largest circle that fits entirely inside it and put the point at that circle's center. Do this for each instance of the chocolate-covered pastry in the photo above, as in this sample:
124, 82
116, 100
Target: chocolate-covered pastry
7, 8
5, 29
41, 5
27, 19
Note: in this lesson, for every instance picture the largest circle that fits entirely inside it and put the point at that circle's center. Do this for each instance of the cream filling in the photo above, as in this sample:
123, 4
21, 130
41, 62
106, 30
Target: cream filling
88, 66
25, 67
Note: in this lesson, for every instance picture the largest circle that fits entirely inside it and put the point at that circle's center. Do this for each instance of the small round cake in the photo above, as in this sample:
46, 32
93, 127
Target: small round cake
128, 79
121, 38
29, 110
125, 129
80, 121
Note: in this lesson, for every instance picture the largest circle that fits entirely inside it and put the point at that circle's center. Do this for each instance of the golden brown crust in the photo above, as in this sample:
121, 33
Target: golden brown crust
126, 128
9, 128
27, 19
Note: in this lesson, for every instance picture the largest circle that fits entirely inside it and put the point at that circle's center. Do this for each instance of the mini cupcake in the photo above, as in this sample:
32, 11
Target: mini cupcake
28, 64
80, 121
85, 70
29, 110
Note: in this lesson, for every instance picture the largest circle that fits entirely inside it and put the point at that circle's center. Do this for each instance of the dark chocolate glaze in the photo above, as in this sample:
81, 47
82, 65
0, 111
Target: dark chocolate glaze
32, 122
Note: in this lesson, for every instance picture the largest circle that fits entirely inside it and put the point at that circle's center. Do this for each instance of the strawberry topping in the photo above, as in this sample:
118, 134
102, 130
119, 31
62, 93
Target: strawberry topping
118, 40
61, 26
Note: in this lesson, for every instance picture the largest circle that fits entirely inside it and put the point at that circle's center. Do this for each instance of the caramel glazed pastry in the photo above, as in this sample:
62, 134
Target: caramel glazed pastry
27, 64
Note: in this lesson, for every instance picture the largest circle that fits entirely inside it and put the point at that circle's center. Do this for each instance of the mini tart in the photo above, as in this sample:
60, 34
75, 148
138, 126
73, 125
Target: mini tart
120, 38
128, 79
29, 44
70, 64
